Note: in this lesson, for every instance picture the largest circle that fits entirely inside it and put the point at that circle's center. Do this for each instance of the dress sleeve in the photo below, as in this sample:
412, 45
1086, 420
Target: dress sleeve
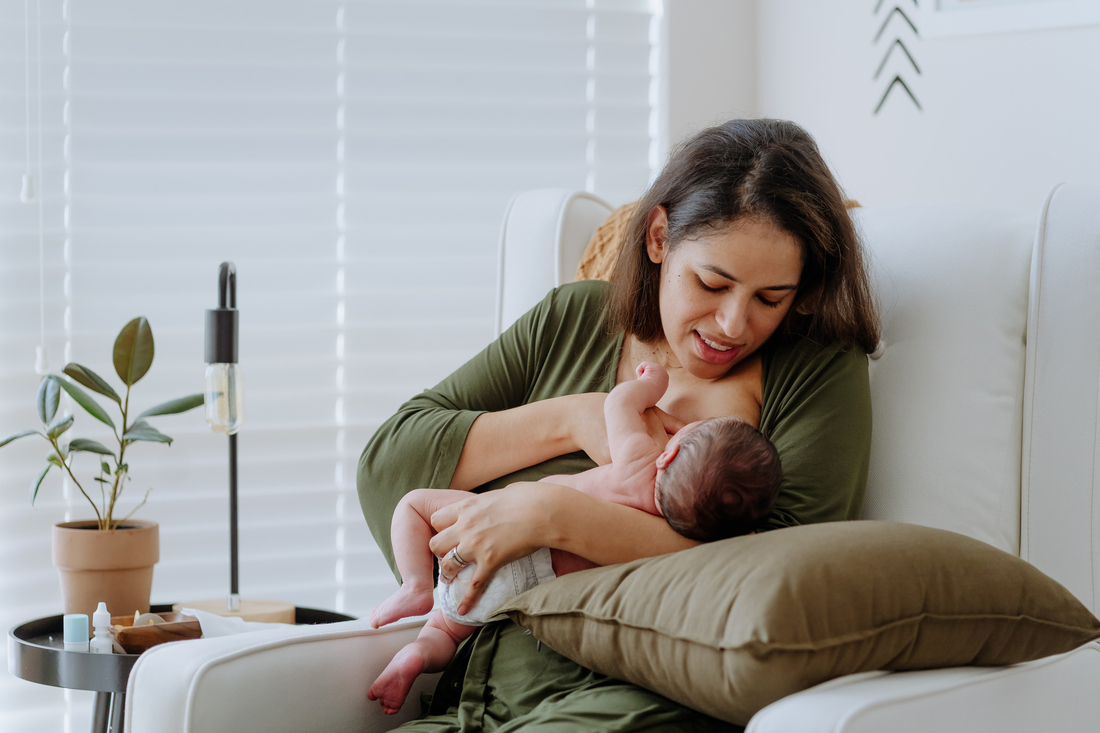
420, 445
817, 413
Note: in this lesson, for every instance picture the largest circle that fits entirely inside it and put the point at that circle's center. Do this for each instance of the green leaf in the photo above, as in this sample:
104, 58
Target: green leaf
59, 426
38, 482
91, 380
55, 459
101, 480
183, 404
90, 446
49, 393
85, 400
17, 436
142, 430
105, 467
134, 351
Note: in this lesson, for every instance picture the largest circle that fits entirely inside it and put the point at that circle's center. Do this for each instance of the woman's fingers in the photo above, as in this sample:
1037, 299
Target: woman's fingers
474, 589
488, 530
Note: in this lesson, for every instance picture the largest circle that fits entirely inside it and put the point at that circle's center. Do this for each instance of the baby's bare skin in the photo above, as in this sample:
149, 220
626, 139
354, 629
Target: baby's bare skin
640, 449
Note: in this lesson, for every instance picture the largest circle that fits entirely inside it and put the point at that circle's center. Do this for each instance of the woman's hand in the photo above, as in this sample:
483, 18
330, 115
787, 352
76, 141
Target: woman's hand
490, 529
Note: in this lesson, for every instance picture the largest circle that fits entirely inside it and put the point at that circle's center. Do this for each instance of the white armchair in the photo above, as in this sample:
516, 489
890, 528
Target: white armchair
985, 394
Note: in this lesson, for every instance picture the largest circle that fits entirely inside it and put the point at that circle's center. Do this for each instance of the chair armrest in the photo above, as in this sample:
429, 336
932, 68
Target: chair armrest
1057, 693
286, 679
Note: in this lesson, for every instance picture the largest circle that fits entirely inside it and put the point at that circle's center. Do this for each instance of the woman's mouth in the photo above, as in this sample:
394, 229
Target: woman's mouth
715, 352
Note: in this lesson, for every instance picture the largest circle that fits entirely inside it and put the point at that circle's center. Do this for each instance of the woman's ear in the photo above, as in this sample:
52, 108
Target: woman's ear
656, 235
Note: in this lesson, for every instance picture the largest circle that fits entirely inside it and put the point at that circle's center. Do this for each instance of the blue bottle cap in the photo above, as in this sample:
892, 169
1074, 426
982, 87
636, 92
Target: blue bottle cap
76, 627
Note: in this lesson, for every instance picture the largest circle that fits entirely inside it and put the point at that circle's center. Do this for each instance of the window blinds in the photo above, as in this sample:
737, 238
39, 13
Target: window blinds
354, 159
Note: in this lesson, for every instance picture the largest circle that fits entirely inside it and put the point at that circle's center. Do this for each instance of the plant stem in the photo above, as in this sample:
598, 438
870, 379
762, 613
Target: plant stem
69, 470
120, 475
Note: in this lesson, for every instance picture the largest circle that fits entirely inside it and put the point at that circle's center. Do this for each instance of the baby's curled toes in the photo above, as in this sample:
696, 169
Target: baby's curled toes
409, 600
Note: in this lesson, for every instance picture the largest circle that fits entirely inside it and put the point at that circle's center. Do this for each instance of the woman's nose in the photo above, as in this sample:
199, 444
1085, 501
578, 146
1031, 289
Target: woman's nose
732, 317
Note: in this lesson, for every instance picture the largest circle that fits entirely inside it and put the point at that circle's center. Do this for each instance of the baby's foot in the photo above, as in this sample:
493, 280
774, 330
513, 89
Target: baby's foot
392, 686
411, 599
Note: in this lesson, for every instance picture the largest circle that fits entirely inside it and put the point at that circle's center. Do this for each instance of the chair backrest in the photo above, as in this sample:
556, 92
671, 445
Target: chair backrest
947, 381
1060, 527
541, 241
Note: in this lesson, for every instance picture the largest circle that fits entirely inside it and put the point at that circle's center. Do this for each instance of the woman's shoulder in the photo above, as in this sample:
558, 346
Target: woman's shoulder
580, 295
793, 361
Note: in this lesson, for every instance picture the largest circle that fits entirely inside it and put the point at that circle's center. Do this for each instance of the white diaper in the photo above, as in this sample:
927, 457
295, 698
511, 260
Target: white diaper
509, 581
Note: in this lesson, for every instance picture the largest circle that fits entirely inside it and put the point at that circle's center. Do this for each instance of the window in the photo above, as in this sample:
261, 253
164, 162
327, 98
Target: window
354, 159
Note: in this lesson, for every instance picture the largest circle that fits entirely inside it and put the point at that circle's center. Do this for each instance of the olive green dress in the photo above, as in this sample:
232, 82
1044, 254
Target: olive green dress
816, 411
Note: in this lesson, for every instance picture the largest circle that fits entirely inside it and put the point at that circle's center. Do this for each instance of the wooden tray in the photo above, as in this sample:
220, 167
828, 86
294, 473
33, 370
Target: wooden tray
136, 639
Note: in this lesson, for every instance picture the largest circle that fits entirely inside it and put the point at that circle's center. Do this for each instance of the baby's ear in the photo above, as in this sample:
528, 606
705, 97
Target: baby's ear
666, 457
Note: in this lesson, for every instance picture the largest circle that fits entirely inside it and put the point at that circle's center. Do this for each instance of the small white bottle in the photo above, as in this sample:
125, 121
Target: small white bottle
101, 621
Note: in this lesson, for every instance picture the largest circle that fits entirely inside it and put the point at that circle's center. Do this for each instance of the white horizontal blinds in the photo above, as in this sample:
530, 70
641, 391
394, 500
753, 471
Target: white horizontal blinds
202, 132
354, 160
28, 585
450, 108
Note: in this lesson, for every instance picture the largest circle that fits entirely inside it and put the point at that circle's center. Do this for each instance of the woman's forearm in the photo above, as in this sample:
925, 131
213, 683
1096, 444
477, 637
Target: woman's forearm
604, 532
509, 440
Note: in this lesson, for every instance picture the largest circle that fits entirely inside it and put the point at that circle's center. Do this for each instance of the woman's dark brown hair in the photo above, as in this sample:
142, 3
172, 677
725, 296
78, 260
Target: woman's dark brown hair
764, 169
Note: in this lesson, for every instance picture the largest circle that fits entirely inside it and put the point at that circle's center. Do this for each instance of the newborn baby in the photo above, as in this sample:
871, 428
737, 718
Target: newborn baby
713, 479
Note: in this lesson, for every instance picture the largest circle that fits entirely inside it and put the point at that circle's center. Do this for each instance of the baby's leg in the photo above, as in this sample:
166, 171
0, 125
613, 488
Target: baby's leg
431, 652
410, 532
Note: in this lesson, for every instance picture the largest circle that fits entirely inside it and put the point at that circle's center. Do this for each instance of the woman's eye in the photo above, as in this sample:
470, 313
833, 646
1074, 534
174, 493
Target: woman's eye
708, 288
769, 303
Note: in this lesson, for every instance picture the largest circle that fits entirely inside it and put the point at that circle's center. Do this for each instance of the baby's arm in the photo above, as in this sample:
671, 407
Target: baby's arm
629, 437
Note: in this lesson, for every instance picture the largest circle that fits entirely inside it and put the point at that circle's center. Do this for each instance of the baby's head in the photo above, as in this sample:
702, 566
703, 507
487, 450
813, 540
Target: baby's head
717, 478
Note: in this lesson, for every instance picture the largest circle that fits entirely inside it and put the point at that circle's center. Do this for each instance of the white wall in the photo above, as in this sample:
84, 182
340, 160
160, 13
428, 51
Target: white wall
1004, 116
710, 64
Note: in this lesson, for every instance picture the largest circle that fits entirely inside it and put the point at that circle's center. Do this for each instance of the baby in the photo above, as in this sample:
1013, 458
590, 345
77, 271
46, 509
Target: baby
713, 479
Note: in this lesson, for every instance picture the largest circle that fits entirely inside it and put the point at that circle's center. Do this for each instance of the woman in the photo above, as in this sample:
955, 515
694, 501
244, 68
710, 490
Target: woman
742, 275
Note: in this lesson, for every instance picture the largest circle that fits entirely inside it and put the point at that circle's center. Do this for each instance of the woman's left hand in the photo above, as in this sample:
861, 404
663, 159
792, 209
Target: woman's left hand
490, 529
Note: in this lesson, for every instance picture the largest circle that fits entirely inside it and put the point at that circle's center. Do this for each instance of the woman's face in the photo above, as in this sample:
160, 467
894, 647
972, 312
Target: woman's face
723, 293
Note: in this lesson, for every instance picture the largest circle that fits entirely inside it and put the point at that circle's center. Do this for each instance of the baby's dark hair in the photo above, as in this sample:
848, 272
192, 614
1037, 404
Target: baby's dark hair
722, 483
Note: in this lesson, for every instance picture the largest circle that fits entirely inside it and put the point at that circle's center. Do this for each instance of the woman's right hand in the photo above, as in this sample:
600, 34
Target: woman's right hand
491, 530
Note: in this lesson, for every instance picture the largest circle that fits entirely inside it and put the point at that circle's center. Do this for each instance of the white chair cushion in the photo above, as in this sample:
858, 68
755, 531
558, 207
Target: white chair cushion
947, 383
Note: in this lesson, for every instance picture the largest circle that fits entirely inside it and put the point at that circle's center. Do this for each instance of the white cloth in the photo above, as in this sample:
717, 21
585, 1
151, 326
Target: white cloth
215, 625
509, 581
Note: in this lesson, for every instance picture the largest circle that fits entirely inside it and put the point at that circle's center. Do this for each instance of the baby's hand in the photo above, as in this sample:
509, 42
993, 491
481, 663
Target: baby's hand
653, 368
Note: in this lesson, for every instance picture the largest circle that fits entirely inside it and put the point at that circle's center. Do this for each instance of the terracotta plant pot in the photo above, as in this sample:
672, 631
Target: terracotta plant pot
113, 566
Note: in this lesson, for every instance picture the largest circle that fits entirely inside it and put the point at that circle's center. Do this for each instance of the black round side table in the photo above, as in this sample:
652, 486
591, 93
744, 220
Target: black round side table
36, 653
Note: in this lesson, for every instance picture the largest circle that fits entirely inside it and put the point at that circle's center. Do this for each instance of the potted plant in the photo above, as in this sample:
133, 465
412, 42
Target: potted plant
108, 558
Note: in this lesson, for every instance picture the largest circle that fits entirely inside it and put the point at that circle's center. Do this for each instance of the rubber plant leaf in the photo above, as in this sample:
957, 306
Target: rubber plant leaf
59, 426
17, 436
38, 482
183, 404
49, 395
85, 400
91, 380
142, 430
133, 353
90, 446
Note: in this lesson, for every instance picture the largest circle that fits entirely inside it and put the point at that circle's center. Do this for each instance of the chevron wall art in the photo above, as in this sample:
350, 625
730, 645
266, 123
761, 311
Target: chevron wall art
896, 36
